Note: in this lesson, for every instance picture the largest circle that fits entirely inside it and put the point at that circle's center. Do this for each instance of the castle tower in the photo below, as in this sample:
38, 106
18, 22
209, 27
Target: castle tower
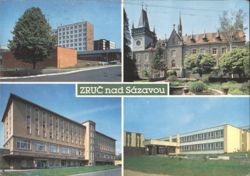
142, 36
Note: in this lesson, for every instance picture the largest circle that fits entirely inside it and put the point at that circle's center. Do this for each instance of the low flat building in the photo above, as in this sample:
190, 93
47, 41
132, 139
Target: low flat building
100, 55
215, 140
36, 137
59, 58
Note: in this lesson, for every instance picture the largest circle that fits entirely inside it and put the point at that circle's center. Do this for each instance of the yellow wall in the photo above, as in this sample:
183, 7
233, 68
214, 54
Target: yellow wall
234, 139
231, 139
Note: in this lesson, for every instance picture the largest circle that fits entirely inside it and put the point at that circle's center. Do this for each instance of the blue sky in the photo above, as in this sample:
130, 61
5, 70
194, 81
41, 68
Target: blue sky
197, 15
106, 112
104, 14
162, 117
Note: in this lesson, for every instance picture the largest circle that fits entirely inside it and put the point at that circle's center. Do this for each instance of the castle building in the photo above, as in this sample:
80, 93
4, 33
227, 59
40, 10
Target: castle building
79, 36
215, 140
35, 137
176, 48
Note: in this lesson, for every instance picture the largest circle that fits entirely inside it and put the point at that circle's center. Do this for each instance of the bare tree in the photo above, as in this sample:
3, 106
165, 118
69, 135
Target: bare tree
230, 24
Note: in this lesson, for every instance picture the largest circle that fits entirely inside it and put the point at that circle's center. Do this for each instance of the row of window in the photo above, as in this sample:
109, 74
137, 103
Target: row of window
77, 48
70, 27
72, 44
52, 148
71, 32
66, 39
7, 124
104, 156
203, 51
203, 136
47, 125
203, 147
79, 36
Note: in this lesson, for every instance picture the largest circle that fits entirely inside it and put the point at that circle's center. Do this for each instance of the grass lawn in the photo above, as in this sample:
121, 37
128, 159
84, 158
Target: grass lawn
176, 167
60, 171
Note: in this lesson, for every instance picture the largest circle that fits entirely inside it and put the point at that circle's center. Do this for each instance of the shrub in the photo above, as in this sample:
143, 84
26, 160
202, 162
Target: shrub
172, 78
245, 87
171, 73
197, 86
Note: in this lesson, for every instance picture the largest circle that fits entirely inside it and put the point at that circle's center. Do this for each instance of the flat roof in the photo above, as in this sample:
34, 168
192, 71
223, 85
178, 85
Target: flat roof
105, 135
196, 131
117, 50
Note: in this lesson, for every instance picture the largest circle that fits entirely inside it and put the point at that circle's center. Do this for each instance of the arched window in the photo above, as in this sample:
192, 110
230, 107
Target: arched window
173, 63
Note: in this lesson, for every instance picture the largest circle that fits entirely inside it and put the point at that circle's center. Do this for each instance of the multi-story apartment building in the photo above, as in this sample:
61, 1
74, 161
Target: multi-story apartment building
79, 36
215, 140
38, 138
104, 44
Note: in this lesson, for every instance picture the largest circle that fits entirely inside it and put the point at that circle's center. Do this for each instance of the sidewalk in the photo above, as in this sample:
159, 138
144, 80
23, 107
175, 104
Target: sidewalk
62, 73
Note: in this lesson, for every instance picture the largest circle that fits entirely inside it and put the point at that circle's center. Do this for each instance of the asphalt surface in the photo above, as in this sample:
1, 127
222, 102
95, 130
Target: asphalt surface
112, 172
110, 74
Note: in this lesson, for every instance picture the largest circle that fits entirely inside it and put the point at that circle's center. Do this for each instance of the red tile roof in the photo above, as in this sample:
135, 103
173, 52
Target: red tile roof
211, 38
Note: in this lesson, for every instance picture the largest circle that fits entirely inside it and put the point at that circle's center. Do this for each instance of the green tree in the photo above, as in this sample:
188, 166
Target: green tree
200, 63
230, 25
158, 63
32, 37
235, 62
247, 61
130, 71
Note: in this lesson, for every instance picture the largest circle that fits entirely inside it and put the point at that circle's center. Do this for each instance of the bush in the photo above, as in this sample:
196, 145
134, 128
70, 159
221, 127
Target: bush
245, 87
197, 86
171, 73
172, 78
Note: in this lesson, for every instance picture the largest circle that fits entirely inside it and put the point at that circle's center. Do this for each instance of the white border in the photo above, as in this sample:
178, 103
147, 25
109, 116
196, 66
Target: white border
121, 83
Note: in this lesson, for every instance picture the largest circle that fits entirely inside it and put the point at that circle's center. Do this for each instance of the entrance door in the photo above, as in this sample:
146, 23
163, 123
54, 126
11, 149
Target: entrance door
41, 164
63, 163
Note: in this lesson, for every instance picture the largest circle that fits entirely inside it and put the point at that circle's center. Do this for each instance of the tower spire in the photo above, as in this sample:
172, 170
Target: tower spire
143, 22
180, 25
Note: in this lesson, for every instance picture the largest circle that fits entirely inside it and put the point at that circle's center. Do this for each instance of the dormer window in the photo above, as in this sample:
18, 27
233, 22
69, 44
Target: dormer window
204, 37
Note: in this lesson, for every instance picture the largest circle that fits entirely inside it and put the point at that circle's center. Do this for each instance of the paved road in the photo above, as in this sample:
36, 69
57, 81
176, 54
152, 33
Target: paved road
112, 172
111, 74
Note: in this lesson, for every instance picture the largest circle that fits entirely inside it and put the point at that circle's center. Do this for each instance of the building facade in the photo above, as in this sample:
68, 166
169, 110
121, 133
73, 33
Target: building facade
176, 48
215, 140
36, 137
79, 36
104, 44
132, 139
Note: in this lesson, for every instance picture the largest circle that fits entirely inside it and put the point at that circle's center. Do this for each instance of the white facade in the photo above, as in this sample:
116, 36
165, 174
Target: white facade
72, 36
112, 45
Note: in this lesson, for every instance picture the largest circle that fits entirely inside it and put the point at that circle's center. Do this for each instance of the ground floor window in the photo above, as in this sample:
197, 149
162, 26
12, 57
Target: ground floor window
23, 144
40, 147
